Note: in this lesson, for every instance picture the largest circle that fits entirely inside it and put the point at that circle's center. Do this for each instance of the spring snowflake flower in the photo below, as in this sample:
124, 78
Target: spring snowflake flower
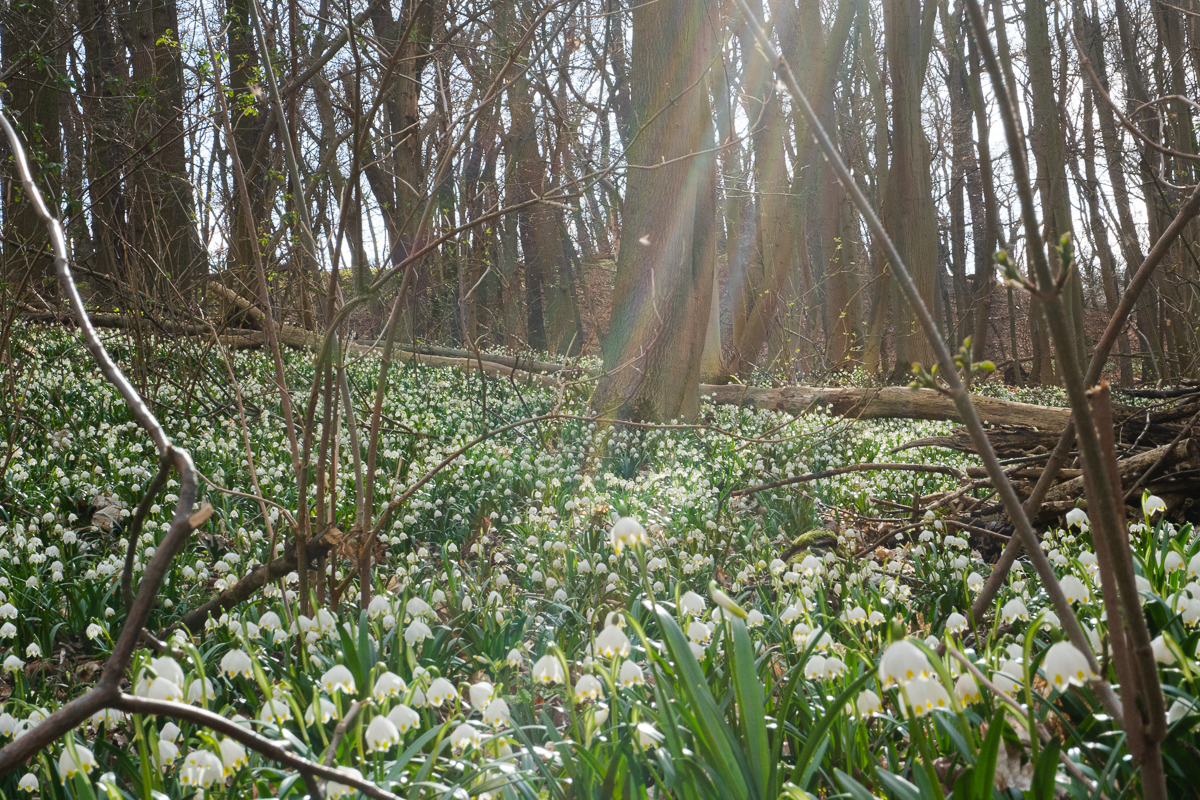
168, 751
755, 619
335, 790
956, 623
497, 714
338, 679
691, 603
94, 631
163, 689
1065, 665
648, 735
967, 690
233, 757
612, 642
388, 684
868, 703
465, 736
1008, 678
480, 695
631, 675
235, 663
1075, 590
201, 768
440, 691
814, 670
381, 734
902, 662
514, 659
926, 695
627, 532
1179, 709
1162, 653
1153, 504
1014, 610
699, 633
28, 782
275, 711
834, 667
416, 632
588, 687
548, 669
404, 718
1077, 518
1173, 562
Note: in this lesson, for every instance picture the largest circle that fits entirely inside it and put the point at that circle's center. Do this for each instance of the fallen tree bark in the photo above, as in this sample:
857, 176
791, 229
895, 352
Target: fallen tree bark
889, 401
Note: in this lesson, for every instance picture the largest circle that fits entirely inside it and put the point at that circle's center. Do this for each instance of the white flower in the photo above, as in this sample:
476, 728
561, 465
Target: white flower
974, 581
168, 751
233, 757
1179, 709
168, 668
627, 532
834, 667
338, 679
755, 618
1008, 678
612, 642
1014, 610
1074, 589
691, 603
169, 731
699, 633
75, 760
416, 608
956, 623
1153, 504
1162, 653
496, 714
588, 687
1077, 518
163, 689
514, 659
270, 621
925, 695
388, 684
967, 689
868, 703
28, 782
201, 768
440, 691
648, 735
1173, 562
416, 632
903, 661
631, 675
548, 669
235, 663
481, 694
814, 670
275, 711
404, 718
465, 736
382, 733
335, 790
1065, 665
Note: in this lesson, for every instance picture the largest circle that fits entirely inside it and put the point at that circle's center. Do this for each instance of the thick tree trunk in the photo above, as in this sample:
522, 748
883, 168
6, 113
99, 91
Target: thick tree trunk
663, 287
28, 38
908, 210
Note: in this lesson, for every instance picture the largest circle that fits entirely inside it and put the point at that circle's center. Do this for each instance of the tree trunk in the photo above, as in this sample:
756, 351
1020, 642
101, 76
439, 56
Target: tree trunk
663, 286
908, 210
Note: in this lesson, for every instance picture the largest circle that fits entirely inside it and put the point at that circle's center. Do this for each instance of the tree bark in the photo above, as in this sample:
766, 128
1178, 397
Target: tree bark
663, 285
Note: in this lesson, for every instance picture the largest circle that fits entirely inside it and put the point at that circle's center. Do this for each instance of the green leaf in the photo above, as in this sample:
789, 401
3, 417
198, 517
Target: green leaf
1044, 772
852, 787
749, 691
817, 733
985, 771
899, 787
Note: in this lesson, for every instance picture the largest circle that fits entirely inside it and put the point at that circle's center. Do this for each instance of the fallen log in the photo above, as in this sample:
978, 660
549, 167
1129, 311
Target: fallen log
888, 401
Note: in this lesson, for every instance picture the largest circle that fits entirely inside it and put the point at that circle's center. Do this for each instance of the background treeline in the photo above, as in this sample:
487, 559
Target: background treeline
578, 175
